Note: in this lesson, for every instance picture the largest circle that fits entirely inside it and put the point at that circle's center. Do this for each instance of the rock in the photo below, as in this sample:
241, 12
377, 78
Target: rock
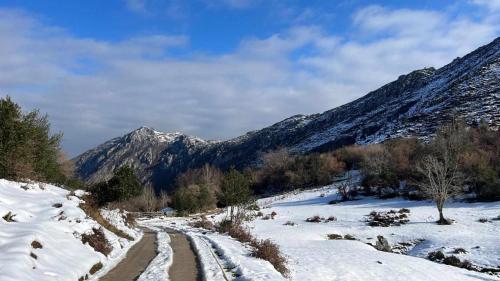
382, 244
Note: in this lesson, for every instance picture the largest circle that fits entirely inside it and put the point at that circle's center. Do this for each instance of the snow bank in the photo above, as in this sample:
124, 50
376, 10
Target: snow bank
49, 215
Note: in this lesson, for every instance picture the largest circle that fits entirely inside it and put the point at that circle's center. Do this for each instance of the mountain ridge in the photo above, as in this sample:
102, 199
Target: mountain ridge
412, 105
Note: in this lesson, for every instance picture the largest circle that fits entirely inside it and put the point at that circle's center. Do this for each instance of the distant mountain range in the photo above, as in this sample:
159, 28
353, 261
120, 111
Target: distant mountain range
413, 105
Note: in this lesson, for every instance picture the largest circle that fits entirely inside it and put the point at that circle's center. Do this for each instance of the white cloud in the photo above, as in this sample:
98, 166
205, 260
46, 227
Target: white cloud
493, 5
94, 90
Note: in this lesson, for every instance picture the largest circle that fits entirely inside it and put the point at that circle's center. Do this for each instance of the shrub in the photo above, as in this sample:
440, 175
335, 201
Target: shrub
96, 267
234, 230
482, 220
269, 251
390, 218
291, 223
98, 241
436, 256
123, 185
91, 209
57, 205
203, 223
459, 251
331, 218
334, 236
452, 260
314, 219
273, 214
193, 198
349, 237
36, 245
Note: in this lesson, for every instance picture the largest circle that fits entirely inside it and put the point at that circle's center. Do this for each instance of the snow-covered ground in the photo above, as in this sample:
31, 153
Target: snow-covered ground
50, 216
157, 270
312, 256
221, 257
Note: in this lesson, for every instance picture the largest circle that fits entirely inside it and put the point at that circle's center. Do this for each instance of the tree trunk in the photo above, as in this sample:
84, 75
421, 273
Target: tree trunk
441, 220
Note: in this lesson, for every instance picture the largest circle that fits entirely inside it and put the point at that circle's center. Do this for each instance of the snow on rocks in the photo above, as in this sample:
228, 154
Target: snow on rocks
43, 242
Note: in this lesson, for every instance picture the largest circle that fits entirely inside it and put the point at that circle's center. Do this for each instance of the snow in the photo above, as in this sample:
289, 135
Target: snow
221, 257
63, 256
312, 256
157, 270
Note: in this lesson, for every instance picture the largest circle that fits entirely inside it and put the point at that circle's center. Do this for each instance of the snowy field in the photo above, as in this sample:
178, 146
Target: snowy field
312, 256
50, 216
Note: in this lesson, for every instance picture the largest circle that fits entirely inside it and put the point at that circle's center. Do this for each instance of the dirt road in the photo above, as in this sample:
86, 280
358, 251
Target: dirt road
136, 261
185, 266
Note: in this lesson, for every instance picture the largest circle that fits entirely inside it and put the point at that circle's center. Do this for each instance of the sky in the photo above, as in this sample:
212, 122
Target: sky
218, 68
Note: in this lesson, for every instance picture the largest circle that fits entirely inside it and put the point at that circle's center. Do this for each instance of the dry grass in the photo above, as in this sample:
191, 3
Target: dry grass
91, 209
96, 267
36, 245
98, 241
263, 249
269, 251
203, 223
314, 219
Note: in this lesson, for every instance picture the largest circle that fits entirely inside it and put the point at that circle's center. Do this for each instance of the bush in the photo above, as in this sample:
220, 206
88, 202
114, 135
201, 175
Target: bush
234, 230
192, 199
269, 251
98, 241
203, 223
314, 219
334, 236
122, 186
452, 260
390, 218
436, 256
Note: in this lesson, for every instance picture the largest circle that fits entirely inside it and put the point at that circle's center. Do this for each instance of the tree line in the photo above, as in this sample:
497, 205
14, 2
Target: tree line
29, 151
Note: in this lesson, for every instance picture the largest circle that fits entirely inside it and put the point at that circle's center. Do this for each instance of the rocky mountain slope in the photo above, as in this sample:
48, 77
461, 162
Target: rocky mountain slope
413, 105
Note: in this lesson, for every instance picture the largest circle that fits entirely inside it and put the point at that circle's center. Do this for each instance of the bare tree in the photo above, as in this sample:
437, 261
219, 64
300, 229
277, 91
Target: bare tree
276, 160
149, 200
442, 180
346, 187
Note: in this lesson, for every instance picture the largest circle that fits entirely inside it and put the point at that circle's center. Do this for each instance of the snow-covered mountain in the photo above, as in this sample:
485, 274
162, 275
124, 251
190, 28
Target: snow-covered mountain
413, 105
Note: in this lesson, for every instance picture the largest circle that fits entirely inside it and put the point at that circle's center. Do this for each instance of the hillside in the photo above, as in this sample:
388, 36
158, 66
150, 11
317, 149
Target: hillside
413, 105
43, 230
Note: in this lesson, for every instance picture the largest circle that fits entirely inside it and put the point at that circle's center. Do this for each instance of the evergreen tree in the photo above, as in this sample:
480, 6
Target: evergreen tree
235, 193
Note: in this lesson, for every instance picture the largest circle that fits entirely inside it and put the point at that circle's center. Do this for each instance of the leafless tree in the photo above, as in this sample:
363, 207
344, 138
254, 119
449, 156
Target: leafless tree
277, 159
441, 180
148, 198
346, 187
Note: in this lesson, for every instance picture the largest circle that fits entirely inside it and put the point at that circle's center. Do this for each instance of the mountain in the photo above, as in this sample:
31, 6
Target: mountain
413, 105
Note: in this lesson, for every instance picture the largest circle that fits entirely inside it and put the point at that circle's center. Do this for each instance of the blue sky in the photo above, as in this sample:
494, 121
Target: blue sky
218, 68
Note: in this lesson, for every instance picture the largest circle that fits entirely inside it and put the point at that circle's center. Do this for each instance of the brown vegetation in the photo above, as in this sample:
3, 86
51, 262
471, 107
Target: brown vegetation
36, 245
98, 241
91, 209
